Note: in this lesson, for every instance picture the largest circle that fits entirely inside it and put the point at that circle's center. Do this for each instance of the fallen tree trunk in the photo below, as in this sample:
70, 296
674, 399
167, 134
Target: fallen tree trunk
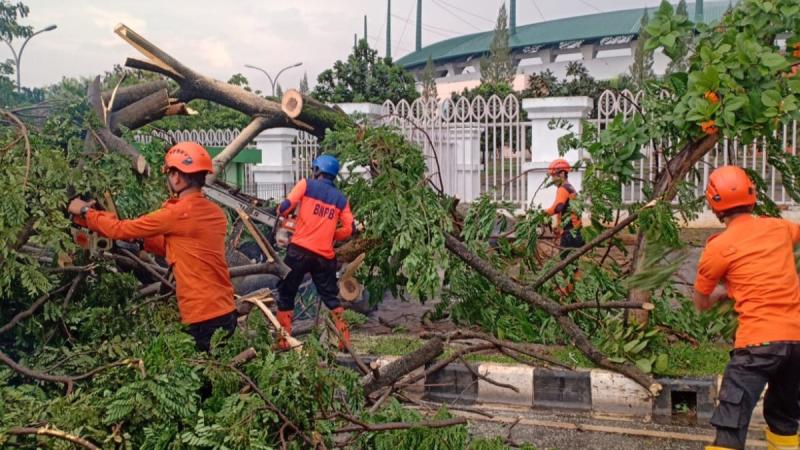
192, 85
508, 286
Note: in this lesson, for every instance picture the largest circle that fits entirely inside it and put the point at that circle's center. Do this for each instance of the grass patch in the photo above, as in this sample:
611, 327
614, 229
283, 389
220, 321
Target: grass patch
704, 360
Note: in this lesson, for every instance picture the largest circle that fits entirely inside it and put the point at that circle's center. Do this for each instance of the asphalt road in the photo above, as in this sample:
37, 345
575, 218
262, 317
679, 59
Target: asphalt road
563, 431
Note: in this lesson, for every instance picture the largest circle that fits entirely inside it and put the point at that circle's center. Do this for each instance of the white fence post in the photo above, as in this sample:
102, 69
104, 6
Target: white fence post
276, 171
544, 145
466, 145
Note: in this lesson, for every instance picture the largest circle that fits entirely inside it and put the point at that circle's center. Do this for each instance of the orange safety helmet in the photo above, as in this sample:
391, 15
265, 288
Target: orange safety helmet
729, 187
558, 165
188, 157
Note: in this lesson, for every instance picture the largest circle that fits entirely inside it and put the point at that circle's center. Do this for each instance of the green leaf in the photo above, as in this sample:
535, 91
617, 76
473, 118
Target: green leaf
617, 359
773, 60
630, 345
794, 85
735, 102
662, 363
771, 98
644, 365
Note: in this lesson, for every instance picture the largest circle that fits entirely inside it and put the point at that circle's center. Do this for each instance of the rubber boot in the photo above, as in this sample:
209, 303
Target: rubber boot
778, 442
341, 325
285, 320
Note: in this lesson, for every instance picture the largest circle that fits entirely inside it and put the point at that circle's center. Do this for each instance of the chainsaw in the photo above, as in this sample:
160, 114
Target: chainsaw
282, 227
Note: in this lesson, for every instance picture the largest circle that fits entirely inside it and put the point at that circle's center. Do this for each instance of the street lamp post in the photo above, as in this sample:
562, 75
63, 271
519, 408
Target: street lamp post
18, 56
274, 81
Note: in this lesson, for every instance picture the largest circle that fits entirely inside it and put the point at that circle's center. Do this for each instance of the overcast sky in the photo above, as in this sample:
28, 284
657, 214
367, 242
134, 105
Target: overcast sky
217, 38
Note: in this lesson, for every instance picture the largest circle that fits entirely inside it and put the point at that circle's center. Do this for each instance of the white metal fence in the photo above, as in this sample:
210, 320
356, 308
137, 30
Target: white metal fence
459, 138
751, 156
207, 138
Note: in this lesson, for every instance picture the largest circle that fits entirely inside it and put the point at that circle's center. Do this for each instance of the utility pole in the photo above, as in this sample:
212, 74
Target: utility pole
365, 28
18, 55
698, 11
513, 18
418, 47
388, 28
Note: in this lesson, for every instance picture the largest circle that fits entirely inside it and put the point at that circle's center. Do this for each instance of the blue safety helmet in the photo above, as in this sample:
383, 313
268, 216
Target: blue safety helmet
326, 164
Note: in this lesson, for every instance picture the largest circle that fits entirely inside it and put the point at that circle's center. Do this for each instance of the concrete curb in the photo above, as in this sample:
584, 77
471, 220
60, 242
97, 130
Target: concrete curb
600, 392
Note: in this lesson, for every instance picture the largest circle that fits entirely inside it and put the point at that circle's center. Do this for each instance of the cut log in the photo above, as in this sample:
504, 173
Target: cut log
319, 116
141, 112
192, 85
253, 269
392, 372
103, 137
130, 94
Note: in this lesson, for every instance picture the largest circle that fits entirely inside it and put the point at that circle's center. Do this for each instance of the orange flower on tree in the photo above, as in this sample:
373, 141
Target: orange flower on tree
709, 127
712, 97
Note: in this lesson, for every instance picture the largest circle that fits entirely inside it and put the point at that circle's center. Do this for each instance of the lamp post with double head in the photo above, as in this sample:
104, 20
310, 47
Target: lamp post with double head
18, 55
273, 81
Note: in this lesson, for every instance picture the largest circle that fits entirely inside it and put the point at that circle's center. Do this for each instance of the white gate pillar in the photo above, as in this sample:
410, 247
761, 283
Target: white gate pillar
277, 167
467, 149
544, 141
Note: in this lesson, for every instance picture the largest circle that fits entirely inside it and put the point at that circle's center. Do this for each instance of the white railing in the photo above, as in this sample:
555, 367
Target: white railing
751, 156
208, 138
471, 147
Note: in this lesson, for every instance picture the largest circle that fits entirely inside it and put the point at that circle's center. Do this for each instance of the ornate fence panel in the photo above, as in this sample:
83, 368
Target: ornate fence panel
751, 156
304, 149
471, 147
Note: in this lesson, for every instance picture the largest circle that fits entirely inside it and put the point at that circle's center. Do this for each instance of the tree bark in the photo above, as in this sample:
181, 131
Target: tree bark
141, 112
131, 94
105, 138
665, 190
313, 113
392, 372
249, 133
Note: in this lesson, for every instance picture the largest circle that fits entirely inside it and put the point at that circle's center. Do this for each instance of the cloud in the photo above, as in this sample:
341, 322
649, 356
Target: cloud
107, 19
215, 53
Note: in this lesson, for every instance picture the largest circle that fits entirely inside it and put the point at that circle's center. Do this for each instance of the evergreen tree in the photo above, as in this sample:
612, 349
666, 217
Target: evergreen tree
304, 84
498, 67
429, 91
681, 63
365, 77
278, 91
642, 68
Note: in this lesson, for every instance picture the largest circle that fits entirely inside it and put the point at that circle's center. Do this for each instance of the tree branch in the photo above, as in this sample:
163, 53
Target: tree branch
392, 426
32, 309
575, 254
52, 432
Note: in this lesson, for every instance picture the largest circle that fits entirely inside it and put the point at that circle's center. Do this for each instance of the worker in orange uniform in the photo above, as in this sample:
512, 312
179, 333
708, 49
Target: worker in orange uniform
323, 217
568, 232
754, 259
189, 230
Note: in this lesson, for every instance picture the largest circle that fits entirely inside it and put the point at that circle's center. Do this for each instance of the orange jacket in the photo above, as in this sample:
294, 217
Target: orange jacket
190, 232
754, 256
564, 194
322, 209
